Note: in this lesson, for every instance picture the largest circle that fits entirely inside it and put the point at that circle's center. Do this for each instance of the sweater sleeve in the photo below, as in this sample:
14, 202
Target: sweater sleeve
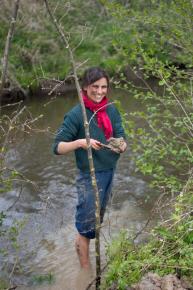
118, 130
67, 131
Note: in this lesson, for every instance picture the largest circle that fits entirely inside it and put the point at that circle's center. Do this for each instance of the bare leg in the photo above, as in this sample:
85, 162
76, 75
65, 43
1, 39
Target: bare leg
82, 249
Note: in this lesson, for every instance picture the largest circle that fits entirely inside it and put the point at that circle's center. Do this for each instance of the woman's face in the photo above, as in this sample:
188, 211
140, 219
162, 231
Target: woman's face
97, 90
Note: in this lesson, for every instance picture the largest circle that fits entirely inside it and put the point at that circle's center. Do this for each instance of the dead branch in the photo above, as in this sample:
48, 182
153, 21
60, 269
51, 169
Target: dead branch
12, 288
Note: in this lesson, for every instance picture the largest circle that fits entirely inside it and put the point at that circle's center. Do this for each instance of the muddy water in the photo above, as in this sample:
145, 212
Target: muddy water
48, 208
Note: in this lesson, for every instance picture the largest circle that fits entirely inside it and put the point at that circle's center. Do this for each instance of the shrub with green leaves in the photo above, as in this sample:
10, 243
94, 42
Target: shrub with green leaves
169, 249
161, 29
156, 47
162, 145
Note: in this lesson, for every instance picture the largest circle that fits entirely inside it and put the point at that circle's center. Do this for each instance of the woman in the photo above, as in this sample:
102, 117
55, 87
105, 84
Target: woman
105, 123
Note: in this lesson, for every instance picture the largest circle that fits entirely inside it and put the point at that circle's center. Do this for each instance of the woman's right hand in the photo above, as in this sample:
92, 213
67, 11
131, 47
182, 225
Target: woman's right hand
95, 144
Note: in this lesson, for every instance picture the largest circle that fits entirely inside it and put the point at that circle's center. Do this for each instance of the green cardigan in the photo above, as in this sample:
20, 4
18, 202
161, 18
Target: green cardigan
72, 129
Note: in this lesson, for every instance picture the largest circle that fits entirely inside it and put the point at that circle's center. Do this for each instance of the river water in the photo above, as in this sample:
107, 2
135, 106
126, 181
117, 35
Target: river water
47, 238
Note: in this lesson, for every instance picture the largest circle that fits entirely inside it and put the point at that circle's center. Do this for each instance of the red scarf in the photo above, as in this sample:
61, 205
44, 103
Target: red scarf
103, 119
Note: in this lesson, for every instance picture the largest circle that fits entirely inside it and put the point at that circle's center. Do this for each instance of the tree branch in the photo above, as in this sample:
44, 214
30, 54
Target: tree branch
87, 133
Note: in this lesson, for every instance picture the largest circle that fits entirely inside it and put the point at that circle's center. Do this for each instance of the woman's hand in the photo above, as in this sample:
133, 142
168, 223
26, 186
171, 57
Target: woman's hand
95, 144
120, 149
117, 145
123, 147
66, 147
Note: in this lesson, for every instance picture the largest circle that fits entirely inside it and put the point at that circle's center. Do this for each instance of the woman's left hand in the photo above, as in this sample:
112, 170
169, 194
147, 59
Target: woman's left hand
117, 145
123, 147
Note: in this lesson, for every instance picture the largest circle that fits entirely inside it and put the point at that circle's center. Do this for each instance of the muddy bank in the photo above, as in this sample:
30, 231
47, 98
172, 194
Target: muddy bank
45, 88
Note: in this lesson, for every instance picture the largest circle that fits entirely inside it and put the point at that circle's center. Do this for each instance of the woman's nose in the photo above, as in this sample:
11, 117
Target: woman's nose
99, 90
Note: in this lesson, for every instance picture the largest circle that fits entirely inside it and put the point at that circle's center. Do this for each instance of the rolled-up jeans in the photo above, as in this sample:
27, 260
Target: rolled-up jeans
85, 209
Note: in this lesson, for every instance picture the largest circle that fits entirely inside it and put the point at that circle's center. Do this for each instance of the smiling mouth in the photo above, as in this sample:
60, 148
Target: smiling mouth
98, 99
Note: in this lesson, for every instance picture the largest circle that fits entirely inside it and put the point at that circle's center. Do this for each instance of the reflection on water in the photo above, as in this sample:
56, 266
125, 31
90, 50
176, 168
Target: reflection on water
48, 208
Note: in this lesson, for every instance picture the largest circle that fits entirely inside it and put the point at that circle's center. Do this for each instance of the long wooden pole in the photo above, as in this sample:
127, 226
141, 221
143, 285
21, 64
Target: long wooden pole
7, 47
87, 134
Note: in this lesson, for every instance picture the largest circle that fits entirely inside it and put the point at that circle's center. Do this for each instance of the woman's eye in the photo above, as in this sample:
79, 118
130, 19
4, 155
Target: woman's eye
96, 87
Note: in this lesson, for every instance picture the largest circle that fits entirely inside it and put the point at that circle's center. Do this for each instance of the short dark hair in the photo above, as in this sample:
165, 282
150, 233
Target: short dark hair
92, 75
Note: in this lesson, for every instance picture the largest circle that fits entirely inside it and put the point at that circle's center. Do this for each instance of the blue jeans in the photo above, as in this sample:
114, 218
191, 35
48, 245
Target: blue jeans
85, 210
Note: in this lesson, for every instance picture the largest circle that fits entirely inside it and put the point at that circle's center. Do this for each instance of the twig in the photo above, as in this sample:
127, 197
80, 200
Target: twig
57, 86
13, 269
95, 279
180, 104
150, 217
18, 197
11, 125
12, 288
99, 110
12, 104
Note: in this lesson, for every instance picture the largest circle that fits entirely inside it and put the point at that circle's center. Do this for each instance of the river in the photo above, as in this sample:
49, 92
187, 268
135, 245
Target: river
47, 238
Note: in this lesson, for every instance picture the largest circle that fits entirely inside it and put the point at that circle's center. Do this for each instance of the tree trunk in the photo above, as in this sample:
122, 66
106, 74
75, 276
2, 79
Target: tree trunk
7, 47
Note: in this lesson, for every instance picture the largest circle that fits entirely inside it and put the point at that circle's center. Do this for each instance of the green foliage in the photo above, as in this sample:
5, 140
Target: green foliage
10, 247
162, 146
4, 285
2, 217
10, 235
7, 178
151, 39
168, 251
160, 31
43, 279
36, 50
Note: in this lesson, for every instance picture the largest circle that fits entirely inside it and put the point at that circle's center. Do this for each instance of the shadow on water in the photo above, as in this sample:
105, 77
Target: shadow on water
48, 236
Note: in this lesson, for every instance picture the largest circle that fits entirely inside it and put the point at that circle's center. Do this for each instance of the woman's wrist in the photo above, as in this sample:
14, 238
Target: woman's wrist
78, 143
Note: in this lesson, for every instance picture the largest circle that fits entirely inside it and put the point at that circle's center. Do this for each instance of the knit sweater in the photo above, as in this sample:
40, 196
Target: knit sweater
72, 129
